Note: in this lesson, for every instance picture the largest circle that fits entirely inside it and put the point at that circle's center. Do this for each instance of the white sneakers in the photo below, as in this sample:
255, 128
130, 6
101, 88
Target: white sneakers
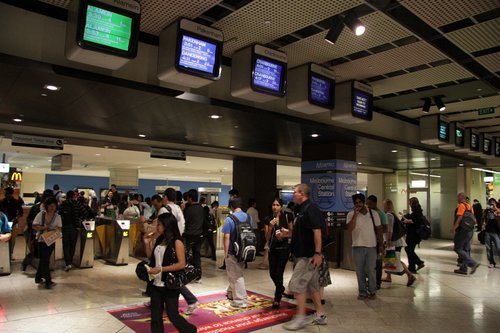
68, 267
191, 307
299, 322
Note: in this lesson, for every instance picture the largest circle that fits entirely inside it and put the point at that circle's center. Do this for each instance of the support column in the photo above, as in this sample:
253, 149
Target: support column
255, 178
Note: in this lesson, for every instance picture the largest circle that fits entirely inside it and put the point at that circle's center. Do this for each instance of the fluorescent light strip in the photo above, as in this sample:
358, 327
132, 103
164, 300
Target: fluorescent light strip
424, 174
485, 170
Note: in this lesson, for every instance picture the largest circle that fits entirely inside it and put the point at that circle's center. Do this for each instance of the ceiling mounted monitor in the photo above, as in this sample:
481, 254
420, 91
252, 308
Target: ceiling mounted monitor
311, 89
258, 74
434, 130
455, 132
497, 147
470, 140
354, 103
103, 33
190, 54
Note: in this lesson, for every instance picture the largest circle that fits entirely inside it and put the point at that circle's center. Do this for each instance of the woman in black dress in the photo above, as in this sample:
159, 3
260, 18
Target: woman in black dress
413, 222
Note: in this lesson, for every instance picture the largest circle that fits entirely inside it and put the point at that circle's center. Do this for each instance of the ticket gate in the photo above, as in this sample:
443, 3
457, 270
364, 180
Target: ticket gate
117, 235
100, 241
84, 251
4, 258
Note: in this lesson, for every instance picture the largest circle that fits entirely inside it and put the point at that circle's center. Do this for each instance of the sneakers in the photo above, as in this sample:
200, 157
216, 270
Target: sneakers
297, 323
238, 305
473, 269
68, 267
191, 307
320, 320
459, 271
491, 266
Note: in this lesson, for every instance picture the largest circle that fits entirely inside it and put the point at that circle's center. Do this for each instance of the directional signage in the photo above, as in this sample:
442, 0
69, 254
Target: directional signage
168, 154
483, 111
37, 141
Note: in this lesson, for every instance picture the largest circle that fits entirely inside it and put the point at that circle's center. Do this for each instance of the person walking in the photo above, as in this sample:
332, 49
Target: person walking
279, 247
491, 231
413, 222
463, 235
168, 256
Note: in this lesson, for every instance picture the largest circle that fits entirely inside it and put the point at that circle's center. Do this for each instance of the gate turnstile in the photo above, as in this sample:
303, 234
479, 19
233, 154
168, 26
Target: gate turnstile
4, 258
84, 252
117, 234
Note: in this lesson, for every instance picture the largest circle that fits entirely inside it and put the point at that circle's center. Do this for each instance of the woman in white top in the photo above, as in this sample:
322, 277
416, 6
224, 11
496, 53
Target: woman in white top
46, 220
397, 244
168, 256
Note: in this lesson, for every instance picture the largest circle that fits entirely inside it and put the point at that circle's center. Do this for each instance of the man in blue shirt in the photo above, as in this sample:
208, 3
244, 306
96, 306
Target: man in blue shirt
236, 291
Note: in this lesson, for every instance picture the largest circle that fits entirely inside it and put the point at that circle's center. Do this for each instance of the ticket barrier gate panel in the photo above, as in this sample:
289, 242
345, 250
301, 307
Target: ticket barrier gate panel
100, 242
4, 258
117, 234
84, 252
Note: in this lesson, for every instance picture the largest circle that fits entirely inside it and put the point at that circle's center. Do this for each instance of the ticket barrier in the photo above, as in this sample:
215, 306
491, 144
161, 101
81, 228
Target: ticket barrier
117, 238
100, 241
4, 258
84, 251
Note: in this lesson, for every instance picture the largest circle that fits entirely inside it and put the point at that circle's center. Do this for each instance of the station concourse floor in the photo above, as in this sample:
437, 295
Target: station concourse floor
440, 301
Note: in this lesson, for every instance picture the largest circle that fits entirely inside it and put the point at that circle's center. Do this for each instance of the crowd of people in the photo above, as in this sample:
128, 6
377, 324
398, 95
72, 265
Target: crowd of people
175, 225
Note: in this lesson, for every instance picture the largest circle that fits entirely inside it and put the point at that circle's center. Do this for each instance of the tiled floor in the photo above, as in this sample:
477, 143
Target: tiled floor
440, 301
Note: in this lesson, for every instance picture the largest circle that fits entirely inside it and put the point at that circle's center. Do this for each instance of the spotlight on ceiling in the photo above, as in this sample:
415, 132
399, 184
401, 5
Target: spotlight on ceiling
427, 104
439, 103
354, 24
335, 31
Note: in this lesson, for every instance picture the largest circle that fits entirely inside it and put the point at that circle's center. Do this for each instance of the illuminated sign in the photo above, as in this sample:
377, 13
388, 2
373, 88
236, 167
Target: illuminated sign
16, 176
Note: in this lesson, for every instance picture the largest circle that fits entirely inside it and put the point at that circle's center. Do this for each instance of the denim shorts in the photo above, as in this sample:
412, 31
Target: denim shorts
305, 277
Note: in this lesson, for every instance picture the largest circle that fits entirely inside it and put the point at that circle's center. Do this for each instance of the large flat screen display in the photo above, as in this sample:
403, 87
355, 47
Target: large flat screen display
321, 91
459, 137
107, 29
444, 134
268, 75
197, 54
474, 141
362, 104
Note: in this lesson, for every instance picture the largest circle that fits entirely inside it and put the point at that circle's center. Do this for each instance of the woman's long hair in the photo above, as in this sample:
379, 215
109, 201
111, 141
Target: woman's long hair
390, 206
171, 229
414, 204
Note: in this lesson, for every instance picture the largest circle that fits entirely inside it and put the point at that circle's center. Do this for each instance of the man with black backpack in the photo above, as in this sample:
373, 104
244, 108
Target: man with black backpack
239, 247
464, 230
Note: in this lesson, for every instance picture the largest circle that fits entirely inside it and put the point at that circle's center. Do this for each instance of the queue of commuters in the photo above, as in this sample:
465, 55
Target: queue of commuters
176, 225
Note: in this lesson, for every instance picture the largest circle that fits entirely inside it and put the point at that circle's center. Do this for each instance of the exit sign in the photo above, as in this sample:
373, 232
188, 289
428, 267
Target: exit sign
484, 111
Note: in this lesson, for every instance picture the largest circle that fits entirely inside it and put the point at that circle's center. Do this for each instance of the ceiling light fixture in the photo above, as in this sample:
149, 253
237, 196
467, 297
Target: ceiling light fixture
142, 135
51, 87
335, 30
486, 170
231, 146
215, 116
353, 23
427, 104
314, 135
461, 164
394, 151
17, 120
359, 163
43, 95
439, 103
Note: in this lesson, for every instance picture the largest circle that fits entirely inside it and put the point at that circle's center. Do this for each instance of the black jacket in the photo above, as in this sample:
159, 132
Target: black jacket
194, 216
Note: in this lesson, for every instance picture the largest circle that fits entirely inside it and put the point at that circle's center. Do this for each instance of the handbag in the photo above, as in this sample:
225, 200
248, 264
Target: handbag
178, 279
392, 262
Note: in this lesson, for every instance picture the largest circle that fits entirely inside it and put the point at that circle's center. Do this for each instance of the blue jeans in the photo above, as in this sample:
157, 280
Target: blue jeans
462, 248
365, 259
489, 238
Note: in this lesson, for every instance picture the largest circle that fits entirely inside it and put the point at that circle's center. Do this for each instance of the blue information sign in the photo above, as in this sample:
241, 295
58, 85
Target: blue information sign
197, 54
320, 90
267, 74
361, 104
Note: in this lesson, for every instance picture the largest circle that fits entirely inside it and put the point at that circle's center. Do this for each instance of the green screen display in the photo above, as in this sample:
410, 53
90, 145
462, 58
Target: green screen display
107, 28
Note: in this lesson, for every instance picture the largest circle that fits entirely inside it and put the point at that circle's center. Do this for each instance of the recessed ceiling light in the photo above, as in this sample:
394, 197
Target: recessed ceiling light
479, 89
314, 135
394, 151
164, 165
224, 168
17, 120
142, 135
433, 159
359, 163
461, 164
97, 154
371, 67
231, 146
267, 22
188, 162
215, 116
236, 126
51, 87
44, 95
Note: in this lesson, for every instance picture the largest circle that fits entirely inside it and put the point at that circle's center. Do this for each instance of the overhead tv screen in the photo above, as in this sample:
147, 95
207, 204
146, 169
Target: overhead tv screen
474, 141
444, 134
497, 148
108, 29
487, 146
321, 91
459, 137
197, 54
362, 104
268, 75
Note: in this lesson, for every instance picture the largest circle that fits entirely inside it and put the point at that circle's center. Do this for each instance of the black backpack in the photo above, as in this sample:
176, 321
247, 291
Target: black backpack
424, 230
245, 247
468, 220
398, 229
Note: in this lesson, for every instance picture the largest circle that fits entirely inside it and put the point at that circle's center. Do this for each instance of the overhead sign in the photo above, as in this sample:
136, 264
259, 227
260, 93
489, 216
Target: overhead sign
168, 154
4, 167
483, 111
15, 175
37, 141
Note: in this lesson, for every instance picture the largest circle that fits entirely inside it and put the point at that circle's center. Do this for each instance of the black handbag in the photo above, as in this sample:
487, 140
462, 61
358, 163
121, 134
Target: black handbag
178, 279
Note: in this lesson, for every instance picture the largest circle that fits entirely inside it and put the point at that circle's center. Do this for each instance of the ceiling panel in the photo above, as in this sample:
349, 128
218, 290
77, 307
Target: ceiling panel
483, 122
381, 30
262, 21
472, 104
423, 78
385, 62
477, 37
442, 12
491, 61
492, 129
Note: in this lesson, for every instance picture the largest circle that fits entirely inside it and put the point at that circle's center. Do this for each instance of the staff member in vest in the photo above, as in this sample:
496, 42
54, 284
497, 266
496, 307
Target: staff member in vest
47, 220
168, 256
236, 290
306, 248
463, 237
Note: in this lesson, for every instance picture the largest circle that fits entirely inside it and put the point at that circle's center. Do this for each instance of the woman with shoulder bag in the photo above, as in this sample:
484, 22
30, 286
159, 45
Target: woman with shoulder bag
412, 223
491, 232
277, 235
46, 220
168, 256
